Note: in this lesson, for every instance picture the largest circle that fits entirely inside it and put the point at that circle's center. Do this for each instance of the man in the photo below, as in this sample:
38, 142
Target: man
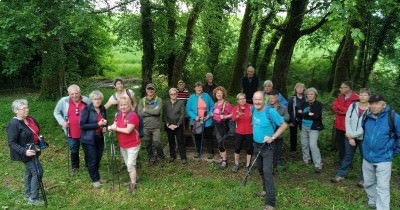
265, 120
249, 84
183, 93
150, 110
210, 85
268, 87
67, 113
381, 129
339, 107
282, 111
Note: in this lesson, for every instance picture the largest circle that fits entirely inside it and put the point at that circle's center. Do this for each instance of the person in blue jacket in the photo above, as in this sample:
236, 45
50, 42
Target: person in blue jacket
379, 147
199, 108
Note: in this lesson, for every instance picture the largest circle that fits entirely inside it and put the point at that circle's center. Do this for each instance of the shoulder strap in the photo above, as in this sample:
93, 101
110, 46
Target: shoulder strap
353, 105
391, 122
144, 102
115, 96
269, 117
223, 107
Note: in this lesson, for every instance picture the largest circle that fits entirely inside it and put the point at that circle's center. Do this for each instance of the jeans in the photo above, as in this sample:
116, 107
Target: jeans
93, 154
178, 133
340, 138
278, 152
264, 165
309, 141
377, 183
74, 145
31, 179
348, 159
152, 138
293, 138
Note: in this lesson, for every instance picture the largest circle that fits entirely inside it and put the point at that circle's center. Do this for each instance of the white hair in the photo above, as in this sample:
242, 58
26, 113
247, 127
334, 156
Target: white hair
18, 103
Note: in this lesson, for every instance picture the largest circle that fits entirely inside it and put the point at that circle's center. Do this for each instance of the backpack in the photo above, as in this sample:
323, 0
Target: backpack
392, 128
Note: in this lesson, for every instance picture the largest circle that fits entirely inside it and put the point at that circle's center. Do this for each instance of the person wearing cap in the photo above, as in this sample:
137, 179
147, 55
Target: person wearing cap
120, 91
199, 108
210, 84
249, 84
379, 146
354, 135
149, 109
339, 107
183, 93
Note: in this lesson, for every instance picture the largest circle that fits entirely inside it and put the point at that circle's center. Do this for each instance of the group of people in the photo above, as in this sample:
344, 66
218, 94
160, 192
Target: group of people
259, 117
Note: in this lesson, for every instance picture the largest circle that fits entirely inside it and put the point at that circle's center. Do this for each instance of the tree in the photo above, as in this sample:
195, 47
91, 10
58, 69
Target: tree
148, 44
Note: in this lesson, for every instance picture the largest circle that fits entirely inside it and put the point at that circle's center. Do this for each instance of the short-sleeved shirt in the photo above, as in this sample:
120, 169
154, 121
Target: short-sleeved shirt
218, 109
201, 107
114, 97
132, 139
262, 124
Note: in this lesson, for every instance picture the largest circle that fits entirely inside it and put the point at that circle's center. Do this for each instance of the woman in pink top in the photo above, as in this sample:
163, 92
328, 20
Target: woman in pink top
241, 115
221, 114
126, 125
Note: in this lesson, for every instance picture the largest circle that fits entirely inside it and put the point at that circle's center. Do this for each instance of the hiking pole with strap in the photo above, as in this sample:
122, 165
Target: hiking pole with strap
68, 149
37, 171
252, 164
107, 155
114, 162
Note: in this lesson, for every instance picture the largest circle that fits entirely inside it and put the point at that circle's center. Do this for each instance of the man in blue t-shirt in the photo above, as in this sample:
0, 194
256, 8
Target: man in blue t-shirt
265, 120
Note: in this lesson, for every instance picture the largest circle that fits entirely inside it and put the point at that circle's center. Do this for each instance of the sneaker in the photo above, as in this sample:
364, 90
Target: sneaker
318, 169
261, 194
184, 161
235, 168
96, 185
35, 202
360, 184
337, 179
268, 207
210, 156
372, 206
74, 171
224, 164
102, 181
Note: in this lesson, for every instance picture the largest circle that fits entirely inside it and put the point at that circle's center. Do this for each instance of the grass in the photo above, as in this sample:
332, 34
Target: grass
124, 64
172, 185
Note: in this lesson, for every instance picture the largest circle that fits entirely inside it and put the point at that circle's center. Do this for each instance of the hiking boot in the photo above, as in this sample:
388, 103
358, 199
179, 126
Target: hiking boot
35, 202
261, 194
360, 184
102, 181
337, 179
223, 164
318, 169
210, 156
74, 171
235, 168
184, 161
96, 185
269, 207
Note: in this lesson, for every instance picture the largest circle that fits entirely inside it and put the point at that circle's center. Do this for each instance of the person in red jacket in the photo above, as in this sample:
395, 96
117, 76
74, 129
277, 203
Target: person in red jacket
241, 115
339, 107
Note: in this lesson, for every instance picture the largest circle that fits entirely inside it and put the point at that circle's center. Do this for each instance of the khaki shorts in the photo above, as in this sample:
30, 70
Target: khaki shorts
130, 157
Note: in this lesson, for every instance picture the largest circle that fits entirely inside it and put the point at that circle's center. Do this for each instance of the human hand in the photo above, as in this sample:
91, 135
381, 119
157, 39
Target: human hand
30, 152
310, 114
65, 124
352, 142
268, 139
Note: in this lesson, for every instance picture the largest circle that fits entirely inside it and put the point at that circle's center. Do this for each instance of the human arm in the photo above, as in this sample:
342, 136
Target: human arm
58, 113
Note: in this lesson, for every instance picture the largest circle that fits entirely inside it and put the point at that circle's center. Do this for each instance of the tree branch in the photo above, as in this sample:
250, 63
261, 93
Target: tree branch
109, 9
315, 27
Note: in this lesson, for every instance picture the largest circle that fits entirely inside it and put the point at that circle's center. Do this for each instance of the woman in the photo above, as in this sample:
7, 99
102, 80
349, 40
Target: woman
126, 124
311, 113
241, 115
221, 114
23, 138
120, 91
199, 109
354, 135
93, 122
174, 113
295, 103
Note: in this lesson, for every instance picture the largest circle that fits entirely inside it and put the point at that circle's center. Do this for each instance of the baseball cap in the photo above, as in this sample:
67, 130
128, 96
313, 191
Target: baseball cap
150, 86
376, 98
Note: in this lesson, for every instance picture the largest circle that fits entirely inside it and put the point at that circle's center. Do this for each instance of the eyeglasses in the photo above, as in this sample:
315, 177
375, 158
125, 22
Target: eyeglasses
23, 108
241, 99
172, 94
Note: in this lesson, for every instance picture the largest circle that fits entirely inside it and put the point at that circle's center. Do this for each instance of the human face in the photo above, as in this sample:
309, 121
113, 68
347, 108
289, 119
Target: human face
96, 101
124, 107
300, 90
150, 92
344, 89
273, 99
219, 95
377, 107
311, 96
258, 100
74, 95
267, 88
250, 72
173, 95
364, 97
181, 86
22, 112
209, 78
119, 86
198, 89
241, 100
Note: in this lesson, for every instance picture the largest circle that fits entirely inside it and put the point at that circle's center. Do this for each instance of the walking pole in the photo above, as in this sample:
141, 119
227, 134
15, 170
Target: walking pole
202, 138
251, 166
107, 155
42, 190
114, 162
68, 149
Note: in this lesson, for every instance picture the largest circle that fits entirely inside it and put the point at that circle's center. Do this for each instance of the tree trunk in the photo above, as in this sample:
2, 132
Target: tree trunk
148, 44
243, 49
334, 62
215, 28
181, 59
259, 35
269, 50
170, 6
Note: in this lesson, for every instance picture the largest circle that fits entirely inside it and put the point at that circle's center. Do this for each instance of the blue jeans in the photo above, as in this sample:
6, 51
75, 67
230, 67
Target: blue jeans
74, 145
264, 165
31, 181
348, 158
93, 154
